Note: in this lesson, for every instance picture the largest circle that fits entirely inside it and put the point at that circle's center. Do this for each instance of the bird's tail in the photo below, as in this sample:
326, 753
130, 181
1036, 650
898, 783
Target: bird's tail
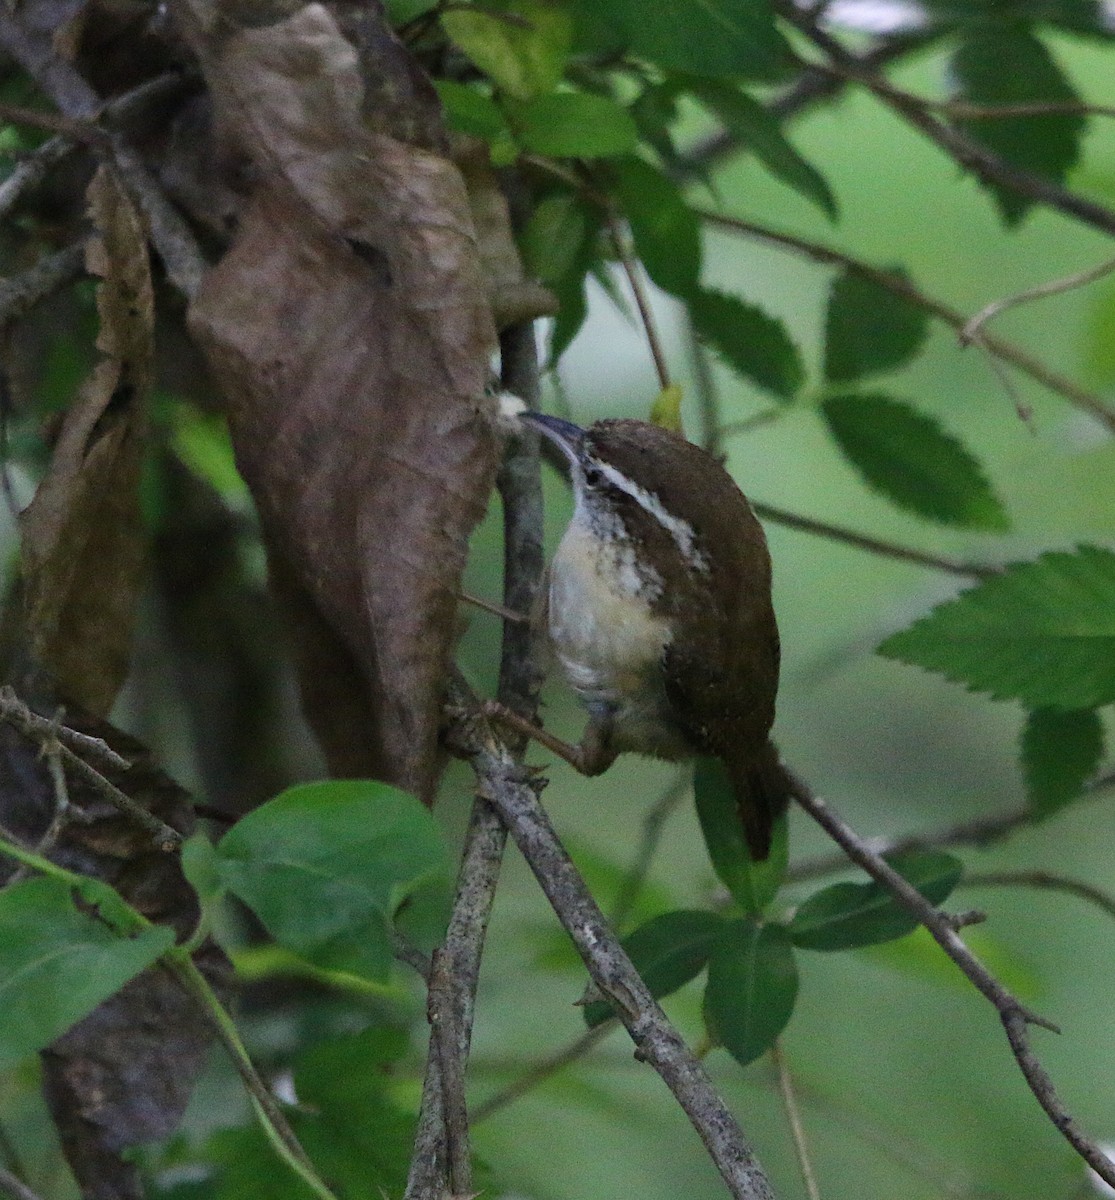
763, 790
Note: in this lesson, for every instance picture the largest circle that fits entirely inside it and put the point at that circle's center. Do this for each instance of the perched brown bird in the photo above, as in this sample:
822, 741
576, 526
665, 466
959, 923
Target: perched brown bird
660, 610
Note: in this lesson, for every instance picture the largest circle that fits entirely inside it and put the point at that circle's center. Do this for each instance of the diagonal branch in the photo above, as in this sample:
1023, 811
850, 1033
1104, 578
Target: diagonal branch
1014, 1015
900, 286
508, 788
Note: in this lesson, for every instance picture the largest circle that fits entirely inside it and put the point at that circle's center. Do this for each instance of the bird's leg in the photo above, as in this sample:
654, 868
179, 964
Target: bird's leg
591, 756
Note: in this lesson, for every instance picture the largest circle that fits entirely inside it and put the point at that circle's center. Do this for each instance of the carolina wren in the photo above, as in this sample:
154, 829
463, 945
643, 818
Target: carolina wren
659, 611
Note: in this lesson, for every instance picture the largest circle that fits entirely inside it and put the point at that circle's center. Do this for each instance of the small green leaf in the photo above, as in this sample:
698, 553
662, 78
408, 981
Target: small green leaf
665, 412
665, 229
1042, 632
752, 986
522, 47
700, 37
668, 951
847, 915
753, 885
575, 125
914, 463
1061, 751
756, 129
58, 963
752, 343
1011, 66
553, 240
471, 111
869, 329
325, 865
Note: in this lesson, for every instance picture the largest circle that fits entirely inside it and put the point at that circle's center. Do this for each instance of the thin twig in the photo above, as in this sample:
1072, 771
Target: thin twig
33, 50
20, 293
653, 824
440, 1155
1014, 1015
793, 1119
1052, 287
1044, 881
708, 397
746, 424
899, 285
14, 1187
967, 152
40, 730
510, 790
543, 1070
497, 610
861, 541
633, 271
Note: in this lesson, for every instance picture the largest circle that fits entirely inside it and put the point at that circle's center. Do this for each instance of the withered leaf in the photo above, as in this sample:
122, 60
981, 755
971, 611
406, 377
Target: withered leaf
82, 538
350, 331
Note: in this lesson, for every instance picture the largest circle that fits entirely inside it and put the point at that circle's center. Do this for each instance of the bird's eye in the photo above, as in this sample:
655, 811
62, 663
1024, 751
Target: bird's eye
593, 476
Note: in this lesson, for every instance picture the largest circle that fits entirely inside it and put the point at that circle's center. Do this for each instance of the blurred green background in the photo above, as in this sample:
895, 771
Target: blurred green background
906, 1083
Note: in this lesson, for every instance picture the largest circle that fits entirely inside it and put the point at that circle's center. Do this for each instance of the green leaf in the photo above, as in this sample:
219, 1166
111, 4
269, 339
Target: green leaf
471, 111
914, 463
58, 963
1042, 632
665, 229
700, 37
869, 329
522, 47
752, 885
752, 343
847, 915
668, 951
1011, 66
752, 986
994, 16
575, 125
755, 128
552, 243
325, 865
1061, 751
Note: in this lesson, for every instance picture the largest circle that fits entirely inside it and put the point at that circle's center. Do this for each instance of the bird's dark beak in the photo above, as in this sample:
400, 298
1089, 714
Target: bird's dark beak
568, 438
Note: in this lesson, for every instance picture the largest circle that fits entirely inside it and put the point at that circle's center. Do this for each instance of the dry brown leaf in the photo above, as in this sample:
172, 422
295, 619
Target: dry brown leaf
82, 537
350, 331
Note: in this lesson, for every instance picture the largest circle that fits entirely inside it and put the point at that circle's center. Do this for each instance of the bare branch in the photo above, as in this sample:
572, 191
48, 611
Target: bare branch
633, 271
14, 1187
508, 788
793, 1117
900, 286
1014, 1015
185, 265
20, 293
966, 151
39, 729
1044, 881
862, 541
1053, 287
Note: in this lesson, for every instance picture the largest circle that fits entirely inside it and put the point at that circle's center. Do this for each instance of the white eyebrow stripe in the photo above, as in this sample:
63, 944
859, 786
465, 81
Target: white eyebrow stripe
681, 531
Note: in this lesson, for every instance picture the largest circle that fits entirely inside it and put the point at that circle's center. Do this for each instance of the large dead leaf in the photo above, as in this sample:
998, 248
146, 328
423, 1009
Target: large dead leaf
350, 331
82, 537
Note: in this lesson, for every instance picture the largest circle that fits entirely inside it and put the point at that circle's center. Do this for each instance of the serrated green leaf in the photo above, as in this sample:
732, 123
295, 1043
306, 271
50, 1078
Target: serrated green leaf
849, 915
522, 46
752, 987
1011, 66
668, 951
756, 129
575, 125
753, 885
752, 343
58, 963
325, 865
914, 463
1061, 751
869, 329
701, 37
471, 111
1042, 632
665, 229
